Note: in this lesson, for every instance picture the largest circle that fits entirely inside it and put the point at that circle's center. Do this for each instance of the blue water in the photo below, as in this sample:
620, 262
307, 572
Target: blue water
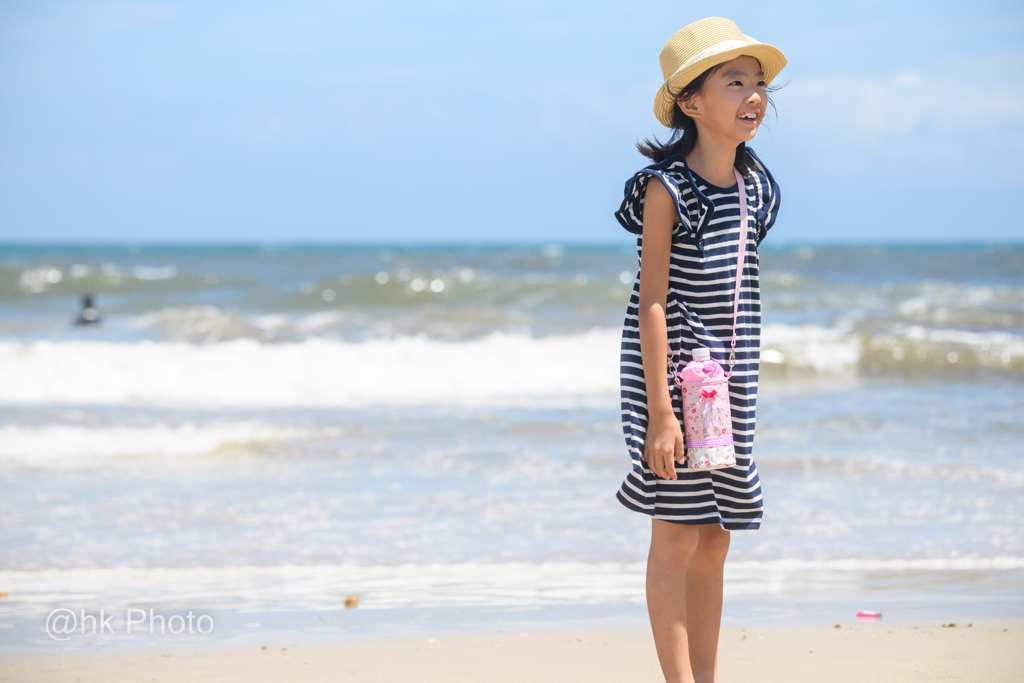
444, 422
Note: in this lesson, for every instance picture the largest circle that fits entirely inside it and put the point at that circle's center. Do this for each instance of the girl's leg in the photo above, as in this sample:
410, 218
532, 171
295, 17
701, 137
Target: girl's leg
684, 598
672, 547
704, 579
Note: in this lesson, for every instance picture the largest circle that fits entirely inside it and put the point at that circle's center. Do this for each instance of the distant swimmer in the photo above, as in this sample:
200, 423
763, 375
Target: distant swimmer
89, 315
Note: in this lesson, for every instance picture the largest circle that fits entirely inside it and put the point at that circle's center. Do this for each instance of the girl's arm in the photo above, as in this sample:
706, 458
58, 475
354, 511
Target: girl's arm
664, 443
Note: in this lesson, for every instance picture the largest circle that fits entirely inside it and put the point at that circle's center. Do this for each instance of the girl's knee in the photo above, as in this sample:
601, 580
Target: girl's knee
676, 539
714, 541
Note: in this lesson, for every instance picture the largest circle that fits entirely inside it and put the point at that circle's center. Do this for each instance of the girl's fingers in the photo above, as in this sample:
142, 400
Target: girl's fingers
651, 462
658, 462
663, 464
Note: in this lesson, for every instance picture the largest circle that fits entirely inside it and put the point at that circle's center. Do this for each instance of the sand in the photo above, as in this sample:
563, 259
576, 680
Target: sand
986, 651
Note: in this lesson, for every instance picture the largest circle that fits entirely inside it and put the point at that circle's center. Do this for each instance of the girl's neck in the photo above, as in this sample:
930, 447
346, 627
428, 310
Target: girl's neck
713, 160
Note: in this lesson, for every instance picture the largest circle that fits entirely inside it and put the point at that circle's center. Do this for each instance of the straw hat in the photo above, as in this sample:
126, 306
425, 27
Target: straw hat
700, 46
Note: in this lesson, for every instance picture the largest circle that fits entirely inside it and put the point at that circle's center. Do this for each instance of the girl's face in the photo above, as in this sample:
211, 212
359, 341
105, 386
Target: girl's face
731, 104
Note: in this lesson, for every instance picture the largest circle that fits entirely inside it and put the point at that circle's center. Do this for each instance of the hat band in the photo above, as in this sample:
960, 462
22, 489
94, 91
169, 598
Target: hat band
722, 46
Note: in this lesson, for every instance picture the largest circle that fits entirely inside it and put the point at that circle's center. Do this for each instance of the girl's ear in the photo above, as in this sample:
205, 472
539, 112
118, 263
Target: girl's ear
689, 107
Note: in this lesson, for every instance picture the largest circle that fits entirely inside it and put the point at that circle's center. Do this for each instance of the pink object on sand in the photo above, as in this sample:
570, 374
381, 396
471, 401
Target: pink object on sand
868, 616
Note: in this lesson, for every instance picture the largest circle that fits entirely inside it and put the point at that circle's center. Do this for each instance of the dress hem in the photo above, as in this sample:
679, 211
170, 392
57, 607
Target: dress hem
738, 525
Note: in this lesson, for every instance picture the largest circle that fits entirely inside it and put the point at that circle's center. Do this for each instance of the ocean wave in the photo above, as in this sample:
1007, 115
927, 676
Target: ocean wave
324, 587
969, 466
53, 443
794, 351
421, 370
810, 348
414, 370
911, 348
945, 303
208, 324
44, 277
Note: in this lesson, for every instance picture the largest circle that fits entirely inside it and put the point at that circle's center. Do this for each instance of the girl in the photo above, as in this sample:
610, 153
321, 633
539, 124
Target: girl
687, 226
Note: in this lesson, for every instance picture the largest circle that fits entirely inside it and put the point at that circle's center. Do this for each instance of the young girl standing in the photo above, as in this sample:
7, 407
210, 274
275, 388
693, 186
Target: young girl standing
688, 236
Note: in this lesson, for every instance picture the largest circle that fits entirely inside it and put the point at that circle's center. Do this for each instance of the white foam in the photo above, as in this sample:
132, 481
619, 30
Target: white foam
501, 367
982, 341
995, 348
321, 587
155, 272
200, 323
59, 442
38, 279
819, 349
315, 372
934, 297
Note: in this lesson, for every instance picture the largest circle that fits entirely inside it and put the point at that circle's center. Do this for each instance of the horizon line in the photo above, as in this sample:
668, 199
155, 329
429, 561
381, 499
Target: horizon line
482, 243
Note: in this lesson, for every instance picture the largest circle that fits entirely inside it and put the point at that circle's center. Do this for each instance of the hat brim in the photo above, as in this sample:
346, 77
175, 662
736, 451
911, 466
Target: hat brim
771, 58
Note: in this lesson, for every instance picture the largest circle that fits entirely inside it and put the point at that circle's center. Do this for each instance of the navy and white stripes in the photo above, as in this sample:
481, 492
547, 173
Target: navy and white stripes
698, 312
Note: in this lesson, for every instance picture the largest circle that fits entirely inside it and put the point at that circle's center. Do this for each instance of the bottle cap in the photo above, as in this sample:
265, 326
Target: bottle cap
700, 354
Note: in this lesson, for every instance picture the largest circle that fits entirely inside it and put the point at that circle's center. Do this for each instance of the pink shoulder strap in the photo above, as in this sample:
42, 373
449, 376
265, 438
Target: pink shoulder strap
741, 261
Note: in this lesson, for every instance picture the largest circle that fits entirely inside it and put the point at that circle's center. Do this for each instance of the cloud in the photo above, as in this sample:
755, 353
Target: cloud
908, 103
892, 127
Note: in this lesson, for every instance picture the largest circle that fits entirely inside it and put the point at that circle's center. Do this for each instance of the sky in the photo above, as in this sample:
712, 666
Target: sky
230, 121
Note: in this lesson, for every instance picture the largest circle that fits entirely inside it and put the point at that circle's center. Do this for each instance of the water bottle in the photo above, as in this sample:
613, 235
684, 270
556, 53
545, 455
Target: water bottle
707, 415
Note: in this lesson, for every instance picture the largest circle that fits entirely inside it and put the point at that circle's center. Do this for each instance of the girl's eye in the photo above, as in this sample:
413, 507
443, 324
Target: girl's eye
735, 83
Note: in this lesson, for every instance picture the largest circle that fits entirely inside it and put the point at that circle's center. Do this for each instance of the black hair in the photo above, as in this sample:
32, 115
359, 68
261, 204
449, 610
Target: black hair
684, 129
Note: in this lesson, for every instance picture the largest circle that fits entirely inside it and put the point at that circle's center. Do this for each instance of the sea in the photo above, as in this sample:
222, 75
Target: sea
382, 440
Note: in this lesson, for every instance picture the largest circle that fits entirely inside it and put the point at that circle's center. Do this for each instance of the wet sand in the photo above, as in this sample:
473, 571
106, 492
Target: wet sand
987, 651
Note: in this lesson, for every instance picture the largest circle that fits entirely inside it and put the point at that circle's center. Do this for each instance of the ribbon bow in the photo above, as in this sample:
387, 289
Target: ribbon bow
710, 416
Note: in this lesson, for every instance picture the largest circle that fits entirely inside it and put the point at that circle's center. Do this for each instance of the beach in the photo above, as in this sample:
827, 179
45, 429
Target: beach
986, 652
432, 436
318, 340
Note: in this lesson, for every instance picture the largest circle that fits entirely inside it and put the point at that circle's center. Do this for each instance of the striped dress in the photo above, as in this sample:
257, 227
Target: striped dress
698, 312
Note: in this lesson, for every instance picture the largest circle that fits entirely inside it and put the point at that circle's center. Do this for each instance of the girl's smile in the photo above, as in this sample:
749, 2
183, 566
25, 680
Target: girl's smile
752, 118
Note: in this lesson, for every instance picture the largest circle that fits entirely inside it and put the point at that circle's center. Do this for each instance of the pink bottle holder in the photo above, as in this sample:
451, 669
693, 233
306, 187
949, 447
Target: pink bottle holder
707, 415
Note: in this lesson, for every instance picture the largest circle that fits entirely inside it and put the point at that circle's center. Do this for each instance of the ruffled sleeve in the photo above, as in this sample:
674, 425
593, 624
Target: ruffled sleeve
631, 212
767, 193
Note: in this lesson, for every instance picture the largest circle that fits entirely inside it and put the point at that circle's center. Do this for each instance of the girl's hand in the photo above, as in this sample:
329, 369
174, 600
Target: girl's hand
664, 445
